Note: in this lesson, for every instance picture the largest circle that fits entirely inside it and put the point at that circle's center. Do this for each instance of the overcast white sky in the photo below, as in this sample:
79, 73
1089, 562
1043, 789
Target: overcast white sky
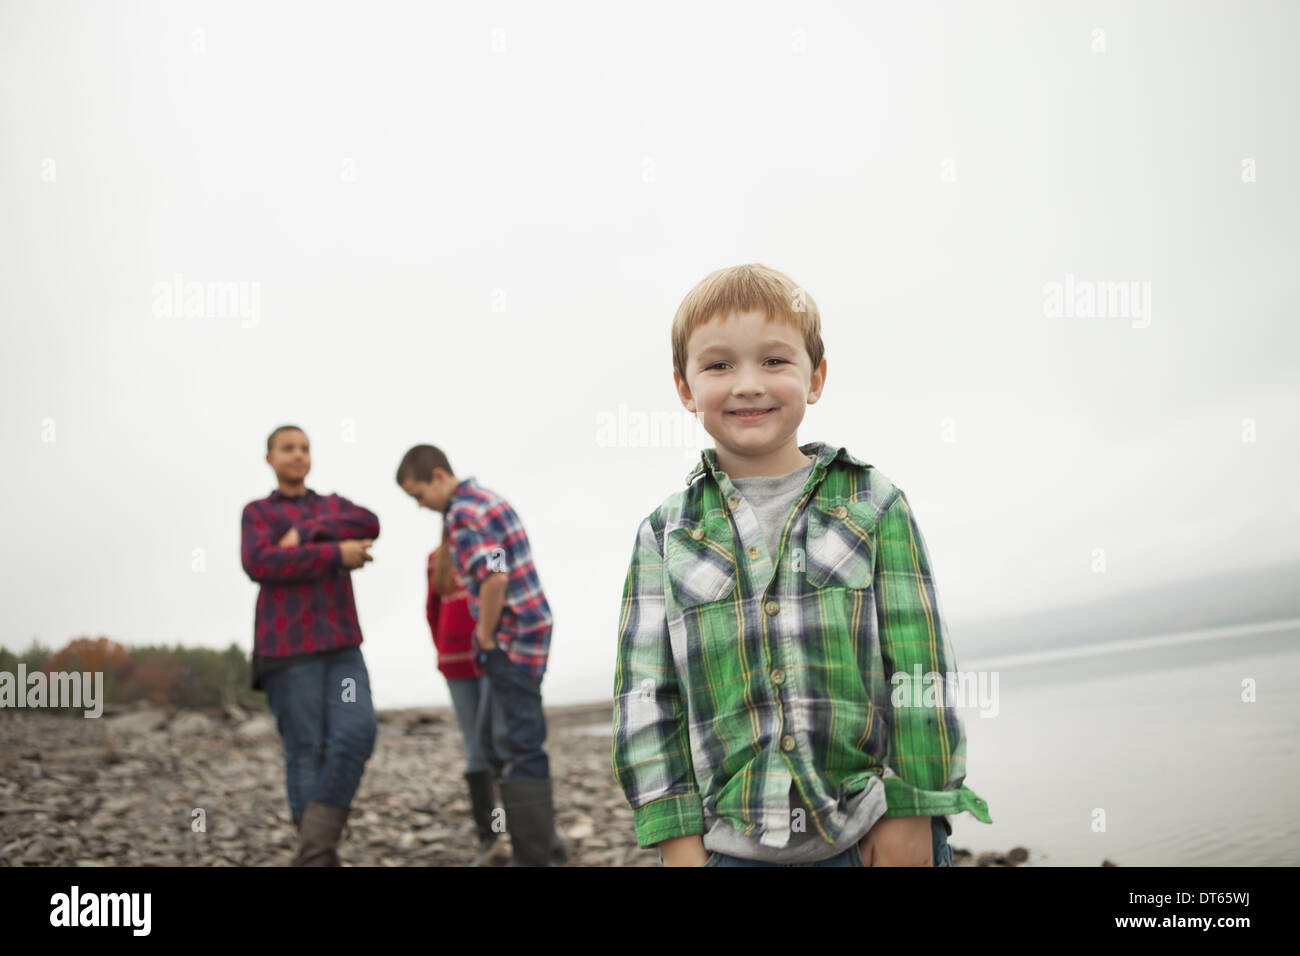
472, 226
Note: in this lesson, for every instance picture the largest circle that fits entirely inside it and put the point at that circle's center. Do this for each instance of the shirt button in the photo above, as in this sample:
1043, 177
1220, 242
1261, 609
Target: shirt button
753, 551
778, 677
787, 743
840, 512
771, 607
697, 533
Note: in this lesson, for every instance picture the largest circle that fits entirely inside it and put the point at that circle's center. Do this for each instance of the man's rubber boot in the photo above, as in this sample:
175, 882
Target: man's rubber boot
297, 825
559, 849
482, 802
319, 830
530, 820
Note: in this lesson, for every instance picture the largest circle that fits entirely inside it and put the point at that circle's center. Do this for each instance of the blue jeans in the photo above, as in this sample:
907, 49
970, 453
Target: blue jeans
849, 857
511, 726
466, 695
328, 728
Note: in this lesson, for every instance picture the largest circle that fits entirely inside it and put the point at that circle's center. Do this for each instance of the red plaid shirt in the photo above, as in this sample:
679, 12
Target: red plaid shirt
305, 602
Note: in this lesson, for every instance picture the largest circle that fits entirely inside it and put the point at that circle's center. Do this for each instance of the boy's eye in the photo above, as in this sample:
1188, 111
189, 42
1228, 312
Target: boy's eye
710, 368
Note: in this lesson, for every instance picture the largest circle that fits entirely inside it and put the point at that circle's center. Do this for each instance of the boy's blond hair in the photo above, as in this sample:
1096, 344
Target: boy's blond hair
747, 288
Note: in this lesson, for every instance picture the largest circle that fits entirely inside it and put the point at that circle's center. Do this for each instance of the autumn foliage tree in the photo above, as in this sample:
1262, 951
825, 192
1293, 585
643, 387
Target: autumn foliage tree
101, 654
154, 677
167, 676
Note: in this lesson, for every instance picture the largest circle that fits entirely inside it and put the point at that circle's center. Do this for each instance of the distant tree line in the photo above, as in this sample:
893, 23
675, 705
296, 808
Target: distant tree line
177, 676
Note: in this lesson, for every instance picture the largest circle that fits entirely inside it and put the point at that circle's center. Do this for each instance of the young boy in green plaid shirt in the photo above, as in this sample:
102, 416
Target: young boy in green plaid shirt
775, 617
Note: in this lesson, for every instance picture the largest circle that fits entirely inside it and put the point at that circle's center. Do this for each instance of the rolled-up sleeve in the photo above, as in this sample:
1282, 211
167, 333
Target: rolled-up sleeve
926, 763
481, 542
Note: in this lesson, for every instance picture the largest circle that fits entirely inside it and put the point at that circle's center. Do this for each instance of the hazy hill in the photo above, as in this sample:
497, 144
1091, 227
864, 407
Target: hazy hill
1235, 597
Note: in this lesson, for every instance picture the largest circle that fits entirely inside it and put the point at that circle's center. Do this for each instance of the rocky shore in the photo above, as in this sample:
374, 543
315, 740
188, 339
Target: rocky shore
149, 787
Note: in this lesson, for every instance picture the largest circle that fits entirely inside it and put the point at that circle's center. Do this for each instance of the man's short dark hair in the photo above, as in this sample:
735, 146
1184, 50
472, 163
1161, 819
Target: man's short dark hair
419, 462
270, 439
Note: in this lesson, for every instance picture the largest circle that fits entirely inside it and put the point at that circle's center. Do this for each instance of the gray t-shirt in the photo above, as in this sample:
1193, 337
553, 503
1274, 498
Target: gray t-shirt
772, 499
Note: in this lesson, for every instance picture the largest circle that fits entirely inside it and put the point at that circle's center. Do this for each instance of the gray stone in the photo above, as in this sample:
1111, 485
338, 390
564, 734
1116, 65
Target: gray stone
190, 723
140, 721
256, 729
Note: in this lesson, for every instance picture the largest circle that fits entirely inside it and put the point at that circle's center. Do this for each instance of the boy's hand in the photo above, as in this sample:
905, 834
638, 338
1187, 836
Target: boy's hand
684, 851
485, 640
898, 841
355, 554
290, 539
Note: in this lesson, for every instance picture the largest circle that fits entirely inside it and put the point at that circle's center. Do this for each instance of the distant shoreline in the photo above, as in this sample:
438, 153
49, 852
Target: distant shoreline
562, 714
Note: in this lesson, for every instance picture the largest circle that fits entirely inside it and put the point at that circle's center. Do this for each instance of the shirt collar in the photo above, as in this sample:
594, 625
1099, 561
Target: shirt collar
463, 486
823, 454
280, 495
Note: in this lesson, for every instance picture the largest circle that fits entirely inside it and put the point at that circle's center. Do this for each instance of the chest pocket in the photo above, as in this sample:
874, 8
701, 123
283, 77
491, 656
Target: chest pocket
700, 562
839, 549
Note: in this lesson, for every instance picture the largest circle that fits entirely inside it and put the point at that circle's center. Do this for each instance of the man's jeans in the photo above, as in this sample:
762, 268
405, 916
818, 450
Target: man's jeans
327, 726
511, 726
850, 857
466, 695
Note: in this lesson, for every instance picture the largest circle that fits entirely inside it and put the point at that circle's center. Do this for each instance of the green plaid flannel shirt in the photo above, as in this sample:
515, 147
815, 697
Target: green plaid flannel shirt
739, 672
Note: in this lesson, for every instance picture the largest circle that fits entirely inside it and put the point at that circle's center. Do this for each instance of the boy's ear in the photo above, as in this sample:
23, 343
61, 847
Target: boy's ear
683, 391
817, 383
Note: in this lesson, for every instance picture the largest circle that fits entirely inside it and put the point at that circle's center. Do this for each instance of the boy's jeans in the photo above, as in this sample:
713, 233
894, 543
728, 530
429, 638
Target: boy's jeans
511, 726
466, 694
850, 857
327, 737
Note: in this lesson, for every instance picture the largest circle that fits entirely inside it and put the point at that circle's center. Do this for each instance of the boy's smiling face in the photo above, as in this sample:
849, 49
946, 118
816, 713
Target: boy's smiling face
748, 362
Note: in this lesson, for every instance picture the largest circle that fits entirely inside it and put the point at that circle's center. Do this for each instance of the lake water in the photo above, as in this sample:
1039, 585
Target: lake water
1153, 732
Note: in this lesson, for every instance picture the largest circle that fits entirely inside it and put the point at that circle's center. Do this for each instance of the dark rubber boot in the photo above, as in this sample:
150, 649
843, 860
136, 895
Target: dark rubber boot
530, 819
320, 829
482, 801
